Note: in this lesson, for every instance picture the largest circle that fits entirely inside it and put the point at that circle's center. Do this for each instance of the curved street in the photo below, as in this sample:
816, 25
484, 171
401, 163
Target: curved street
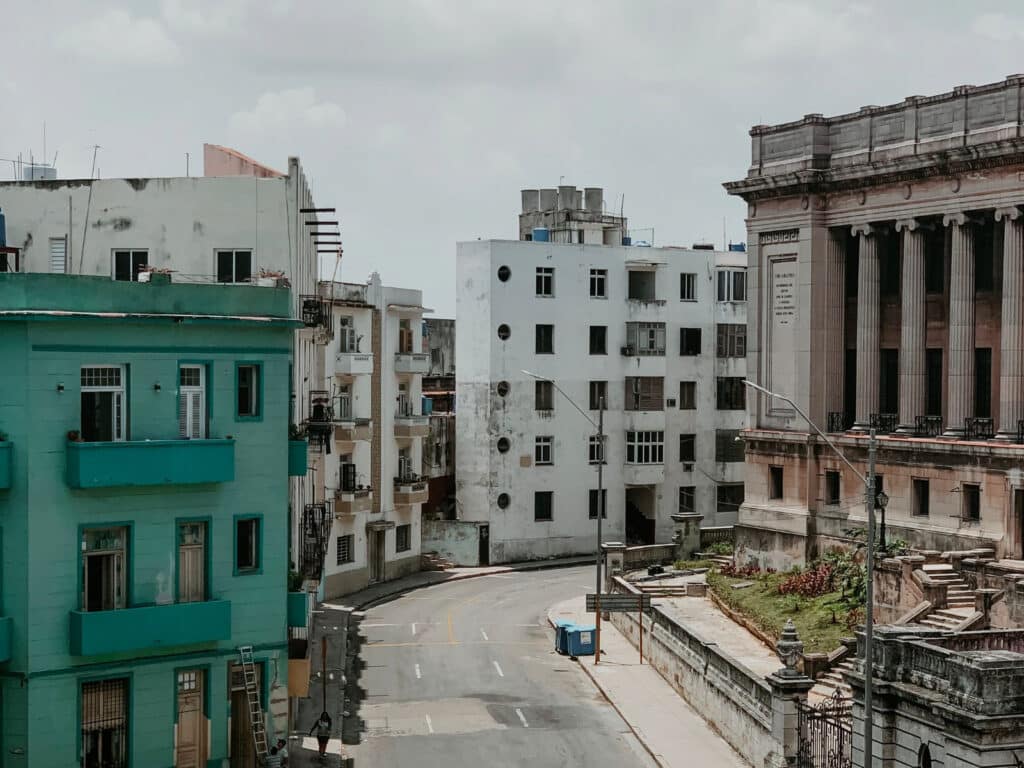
464, 675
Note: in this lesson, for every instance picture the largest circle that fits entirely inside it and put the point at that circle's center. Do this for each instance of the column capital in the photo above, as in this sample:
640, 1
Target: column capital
959, 219
910, 225
1010, 213
865, 229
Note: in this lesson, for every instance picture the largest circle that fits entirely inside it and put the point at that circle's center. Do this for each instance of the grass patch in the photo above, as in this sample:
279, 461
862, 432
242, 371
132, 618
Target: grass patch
821, 626
682, 565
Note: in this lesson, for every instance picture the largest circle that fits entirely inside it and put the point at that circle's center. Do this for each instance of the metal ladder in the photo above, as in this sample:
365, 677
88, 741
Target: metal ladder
252, 692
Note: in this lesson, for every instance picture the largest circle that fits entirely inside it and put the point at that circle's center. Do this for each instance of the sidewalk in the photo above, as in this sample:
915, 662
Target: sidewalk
673, 733
377, 593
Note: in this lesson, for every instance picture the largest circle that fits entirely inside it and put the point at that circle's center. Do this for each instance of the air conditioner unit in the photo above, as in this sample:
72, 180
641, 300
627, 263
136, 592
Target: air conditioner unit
627, 351
671, 402
687, 466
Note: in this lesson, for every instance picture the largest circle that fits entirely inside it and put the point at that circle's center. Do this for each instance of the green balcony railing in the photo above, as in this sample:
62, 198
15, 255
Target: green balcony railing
6, 454
151, 626
6, 629
297, 458
150, 462
298, 603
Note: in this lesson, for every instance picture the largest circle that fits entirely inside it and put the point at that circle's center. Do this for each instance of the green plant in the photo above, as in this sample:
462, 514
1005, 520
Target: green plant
720, 548
294, 581
296, 432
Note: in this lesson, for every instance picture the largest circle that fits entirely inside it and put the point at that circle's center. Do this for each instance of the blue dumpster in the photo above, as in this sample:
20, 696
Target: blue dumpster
581, 639
562, 627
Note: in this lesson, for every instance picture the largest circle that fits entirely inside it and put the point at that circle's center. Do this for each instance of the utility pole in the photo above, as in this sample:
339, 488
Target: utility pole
600, 514
869, 619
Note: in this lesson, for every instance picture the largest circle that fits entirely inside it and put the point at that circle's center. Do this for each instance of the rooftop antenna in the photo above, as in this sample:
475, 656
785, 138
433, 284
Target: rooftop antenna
44, 142
725, 245
186, 165
95, 148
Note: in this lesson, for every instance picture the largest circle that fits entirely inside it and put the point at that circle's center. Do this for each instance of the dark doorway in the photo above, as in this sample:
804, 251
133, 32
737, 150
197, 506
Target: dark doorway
850, 387
484, 555
639, 516
889, 382
983, 382
933, 386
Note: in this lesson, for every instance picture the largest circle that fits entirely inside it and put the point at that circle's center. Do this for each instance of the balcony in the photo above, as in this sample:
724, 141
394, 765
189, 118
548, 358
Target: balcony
298, 458
6, 454
410, 490
883, 423
412, 425
979, 428
152, 626
353, 430
149, 462
6, 630
643, 474
353, 363
351, 502
412, 362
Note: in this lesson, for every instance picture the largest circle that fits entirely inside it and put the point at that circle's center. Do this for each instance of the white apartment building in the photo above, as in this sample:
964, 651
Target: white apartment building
226, 226
660, 333
374, 367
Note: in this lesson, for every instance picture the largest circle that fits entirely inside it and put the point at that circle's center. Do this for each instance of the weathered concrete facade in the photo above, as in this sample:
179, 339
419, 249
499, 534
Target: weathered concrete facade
886, 281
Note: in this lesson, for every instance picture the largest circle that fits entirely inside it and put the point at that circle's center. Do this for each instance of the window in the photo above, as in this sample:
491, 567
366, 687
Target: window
58, 255
403, 538
599, 283
127, 264
191, 562
732, 284
731, 341
405, 473
346, 473
234, 266
104, 720
687, 395
728, 446
687, 447
543, 503
596, 499
689, 341
599, 340
598, 392
545, 281
247, 544
641, 285
645, 447
504, 273
405, 346
504, 332
832, 487
595, 453
688, 286
687, 494
248, 385
544, 396
347, 341
545, 340
645, 393
542, 449
104, 565
645, 338
192, 402
102, 404
972, 501
730, 497
774, 482
732, 394
921, 498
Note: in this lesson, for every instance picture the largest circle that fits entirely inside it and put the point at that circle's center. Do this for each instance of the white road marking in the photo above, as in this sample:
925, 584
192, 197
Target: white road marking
522, 718
497, 666
484, 634
418, 675
430, 725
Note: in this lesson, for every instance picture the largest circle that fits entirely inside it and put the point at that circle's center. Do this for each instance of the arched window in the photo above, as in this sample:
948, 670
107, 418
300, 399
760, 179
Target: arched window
924, 757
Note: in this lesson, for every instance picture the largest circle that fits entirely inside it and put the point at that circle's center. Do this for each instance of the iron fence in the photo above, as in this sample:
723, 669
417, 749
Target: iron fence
316, 528
838, 421
979, 428
928, 426
883, 423
826, 733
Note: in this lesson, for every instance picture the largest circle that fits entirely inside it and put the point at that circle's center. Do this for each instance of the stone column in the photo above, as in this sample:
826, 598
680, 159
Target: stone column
868, 313
960, 348
1011, 373
913, 325
835, 316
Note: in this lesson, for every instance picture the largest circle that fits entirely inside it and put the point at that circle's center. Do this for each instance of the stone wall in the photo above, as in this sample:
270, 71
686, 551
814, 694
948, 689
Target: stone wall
454, 540
1005, 576
650, 554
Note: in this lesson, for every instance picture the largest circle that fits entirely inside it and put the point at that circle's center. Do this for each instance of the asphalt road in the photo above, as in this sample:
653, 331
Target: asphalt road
463, 675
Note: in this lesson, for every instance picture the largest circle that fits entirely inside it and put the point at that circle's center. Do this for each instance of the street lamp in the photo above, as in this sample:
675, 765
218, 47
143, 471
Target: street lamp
869, 503
599, 425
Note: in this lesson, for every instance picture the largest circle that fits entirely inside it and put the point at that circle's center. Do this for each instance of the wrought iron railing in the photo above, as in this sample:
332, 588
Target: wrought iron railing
826, 733
883, 423
979, 428
315, 312
320, 421
838, 422
316, 529
343, 408
928, 426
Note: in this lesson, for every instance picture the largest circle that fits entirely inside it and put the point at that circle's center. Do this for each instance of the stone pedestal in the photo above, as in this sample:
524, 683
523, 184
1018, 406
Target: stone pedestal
614, 553
789, 688
686, 534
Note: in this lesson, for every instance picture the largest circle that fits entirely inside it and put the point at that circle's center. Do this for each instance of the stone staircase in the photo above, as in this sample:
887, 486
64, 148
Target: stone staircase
959, 598
831, 681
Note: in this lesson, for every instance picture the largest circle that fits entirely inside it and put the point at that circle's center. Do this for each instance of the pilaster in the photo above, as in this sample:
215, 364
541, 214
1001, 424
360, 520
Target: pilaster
868, 315
913, 326
1011, 376
960, 365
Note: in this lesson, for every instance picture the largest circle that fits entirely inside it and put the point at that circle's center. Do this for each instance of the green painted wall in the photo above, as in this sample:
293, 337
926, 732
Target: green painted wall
39, 541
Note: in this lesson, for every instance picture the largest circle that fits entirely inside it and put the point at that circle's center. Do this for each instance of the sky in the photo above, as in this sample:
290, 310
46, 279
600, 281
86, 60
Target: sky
420, 120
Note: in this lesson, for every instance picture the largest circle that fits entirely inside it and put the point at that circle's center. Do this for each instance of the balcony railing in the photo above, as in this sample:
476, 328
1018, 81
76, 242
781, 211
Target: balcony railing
979, 428
316, 528
838, 422
410, 488
315, 312
928, 426
152, 626
149, 462
883, 423
412, 362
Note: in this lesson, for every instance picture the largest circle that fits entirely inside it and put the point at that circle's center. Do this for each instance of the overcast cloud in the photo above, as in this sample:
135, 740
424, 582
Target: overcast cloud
420, 120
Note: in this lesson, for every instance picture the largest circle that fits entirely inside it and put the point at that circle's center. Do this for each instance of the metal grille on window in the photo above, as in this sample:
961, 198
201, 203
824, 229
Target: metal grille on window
58, 254
316, 529
104, 719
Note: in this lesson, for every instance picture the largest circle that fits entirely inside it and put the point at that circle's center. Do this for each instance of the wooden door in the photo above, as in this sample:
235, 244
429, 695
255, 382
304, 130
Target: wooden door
242, 746
191, 742
191, 562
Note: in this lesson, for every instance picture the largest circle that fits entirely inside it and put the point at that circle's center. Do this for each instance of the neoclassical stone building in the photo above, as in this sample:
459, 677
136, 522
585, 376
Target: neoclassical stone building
886, 290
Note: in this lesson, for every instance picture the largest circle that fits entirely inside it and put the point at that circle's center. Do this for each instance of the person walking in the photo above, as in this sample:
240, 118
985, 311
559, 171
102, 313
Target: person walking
273, 760
282, 751
323, 732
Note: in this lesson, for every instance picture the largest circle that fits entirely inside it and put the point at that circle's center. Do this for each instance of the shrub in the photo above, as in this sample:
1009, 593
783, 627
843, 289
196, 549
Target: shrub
814, 582
740, 571
721, 548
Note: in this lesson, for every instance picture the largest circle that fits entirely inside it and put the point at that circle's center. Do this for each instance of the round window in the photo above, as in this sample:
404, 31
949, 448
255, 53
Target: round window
503, 388
503, 500
504, 332
503, 445
504, 273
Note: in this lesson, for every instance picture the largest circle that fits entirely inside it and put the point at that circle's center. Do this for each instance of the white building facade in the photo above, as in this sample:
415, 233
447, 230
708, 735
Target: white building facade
373, 381
659, 333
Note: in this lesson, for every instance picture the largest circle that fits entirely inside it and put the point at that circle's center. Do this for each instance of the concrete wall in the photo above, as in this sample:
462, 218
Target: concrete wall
441, 337
454, 540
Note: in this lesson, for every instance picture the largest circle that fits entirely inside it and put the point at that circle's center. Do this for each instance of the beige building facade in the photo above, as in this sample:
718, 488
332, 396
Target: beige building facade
886, 281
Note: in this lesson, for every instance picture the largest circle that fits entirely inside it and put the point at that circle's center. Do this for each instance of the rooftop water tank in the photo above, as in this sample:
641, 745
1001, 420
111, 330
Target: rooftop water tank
541, 235
738, 247
38, 172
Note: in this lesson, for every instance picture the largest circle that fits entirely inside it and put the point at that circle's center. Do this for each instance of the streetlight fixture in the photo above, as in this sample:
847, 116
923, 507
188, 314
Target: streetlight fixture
599, 425
869, 503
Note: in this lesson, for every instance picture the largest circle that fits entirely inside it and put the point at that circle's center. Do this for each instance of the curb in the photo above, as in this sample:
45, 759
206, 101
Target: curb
604, 694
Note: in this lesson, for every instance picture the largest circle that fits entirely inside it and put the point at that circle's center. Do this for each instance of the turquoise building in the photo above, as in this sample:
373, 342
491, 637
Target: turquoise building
143, 519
